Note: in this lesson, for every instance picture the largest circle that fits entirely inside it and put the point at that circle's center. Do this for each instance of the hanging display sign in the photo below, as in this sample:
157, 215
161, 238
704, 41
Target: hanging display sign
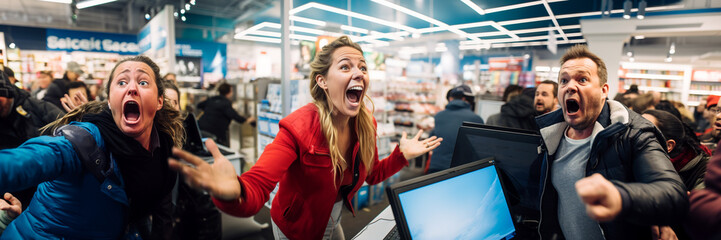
69, 40
208, 56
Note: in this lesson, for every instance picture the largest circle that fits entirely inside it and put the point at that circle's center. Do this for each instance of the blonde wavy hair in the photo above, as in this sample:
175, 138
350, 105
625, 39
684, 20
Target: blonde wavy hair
363, 122
167, 119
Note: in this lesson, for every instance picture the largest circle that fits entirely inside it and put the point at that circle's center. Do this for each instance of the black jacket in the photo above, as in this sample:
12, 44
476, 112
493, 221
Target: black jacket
56, 90
218, 112
517, 113
626, 151
26, 117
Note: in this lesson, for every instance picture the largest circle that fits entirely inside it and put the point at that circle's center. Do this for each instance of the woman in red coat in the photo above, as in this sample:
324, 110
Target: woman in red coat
321, 155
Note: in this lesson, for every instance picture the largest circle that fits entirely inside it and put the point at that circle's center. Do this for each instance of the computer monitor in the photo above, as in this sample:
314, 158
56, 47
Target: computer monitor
515, 152
465, 202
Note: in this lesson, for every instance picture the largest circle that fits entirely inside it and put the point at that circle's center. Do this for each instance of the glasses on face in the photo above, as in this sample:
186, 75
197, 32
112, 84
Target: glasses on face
715, 110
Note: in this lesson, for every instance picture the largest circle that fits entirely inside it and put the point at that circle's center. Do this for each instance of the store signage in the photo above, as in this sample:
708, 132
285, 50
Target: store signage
68, 40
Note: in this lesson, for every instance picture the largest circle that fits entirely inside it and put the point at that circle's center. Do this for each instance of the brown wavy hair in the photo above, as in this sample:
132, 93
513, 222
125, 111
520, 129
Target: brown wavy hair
365, 129
167, 119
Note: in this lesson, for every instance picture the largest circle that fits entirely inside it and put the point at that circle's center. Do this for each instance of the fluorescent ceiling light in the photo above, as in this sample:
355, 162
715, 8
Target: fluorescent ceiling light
553, 18
303, 37
517, 44
639, 37
350, 14
475, 7
425, 18
354, 29
306, 30
259, 39
504, 30
59, 1
92, 3
265, 33
256, 27
520, 5
308, 20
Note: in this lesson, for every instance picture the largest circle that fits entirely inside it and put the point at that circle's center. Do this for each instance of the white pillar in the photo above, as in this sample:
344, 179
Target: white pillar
609, 47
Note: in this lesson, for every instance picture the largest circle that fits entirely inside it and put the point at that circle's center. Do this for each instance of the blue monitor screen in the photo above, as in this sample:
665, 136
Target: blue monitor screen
468, 206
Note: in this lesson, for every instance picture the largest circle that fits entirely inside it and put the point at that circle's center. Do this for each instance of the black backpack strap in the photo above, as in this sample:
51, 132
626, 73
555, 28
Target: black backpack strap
92, 157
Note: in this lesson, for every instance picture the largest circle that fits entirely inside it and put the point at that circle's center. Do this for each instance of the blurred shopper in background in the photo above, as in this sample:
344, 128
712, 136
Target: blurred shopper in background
41, 84
21, 117
218, 112
518, 112
712, 135
704, 216
58, 88
510, 92
171, 77
642, 103
447, 123
546, 98
703, 117
11, 77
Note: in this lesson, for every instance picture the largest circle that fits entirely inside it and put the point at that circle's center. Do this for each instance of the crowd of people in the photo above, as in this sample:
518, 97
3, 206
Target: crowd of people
636, 167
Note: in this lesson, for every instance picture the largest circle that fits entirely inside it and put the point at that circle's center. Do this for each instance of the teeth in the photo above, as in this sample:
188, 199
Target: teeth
357, 88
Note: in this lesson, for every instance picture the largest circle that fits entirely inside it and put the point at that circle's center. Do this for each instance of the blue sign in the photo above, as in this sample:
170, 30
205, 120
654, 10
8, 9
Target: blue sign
213, 54
68, 40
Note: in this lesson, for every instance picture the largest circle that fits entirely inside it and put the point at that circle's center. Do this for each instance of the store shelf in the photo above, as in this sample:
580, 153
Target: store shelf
703, 92
656, 89
654, 76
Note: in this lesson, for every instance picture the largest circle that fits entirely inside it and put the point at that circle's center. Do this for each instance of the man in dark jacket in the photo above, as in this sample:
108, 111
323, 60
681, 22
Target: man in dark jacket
218, 112
20, 118
447, 123
518, 112
604, 173
58, 88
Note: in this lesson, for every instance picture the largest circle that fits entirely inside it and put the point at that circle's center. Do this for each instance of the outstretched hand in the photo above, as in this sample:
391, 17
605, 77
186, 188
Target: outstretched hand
412, 148
12, 206
70, 103
219, 178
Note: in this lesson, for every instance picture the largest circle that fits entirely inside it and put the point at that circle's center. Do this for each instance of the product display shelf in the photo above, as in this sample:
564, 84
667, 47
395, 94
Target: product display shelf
671, 80
703, 84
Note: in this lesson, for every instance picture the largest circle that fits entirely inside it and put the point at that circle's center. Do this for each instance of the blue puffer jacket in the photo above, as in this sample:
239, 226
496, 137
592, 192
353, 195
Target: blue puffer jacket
70, 203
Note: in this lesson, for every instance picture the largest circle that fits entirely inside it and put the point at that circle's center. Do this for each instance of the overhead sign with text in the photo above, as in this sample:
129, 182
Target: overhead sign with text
69, 40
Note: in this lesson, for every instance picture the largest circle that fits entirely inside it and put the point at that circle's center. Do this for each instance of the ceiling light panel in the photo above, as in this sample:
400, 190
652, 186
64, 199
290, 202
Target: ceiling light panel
425, 18
92, 3
350, 14
553, 18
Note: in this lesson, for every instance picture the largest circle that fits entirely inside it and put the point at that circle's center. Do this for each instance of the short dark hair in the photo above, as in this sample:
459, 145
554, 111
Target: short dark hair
673, 128
80, 84
581, 51
224, 89
555, 87
9, 72
511, 89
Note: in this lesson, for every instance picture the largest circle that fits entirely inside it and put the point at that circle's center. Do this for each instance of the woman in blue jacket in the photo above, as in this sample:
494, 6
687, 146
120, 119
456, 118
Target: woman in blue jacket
106, 170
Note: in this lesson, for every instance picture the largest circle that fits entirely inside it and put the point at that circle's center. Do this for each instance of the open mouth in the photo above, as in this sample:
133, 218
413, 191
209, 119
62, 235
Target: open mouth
572, 106
131, 110
354, 94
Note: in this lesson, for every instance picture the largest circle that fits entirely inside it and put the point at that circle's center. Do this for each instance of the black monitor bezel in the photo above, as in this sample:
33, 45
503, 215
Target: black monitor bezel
396, 189
512, 134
